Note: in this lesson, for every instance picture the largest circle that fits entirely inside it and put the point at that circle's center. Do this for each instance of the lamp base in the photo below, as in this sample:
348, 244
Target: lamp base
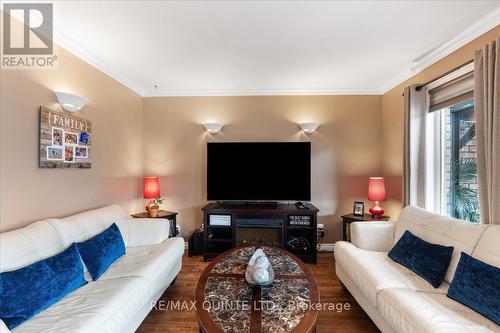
376, 210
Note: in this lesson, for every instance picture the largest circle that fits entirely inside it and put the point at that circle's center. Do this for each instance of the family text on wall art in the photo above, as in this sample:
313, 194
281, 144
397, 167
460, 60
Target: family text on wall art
65, 140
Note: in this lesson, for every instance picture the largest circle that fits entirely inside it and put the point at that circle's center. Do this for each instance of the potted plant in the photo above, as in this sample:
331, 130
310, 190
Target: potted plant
155, 206
465, 201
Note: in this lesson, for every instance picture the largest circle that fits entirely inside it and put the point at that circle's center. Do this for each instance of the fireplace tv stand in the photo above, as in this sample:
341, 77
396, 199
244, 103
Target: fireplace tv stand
230, 224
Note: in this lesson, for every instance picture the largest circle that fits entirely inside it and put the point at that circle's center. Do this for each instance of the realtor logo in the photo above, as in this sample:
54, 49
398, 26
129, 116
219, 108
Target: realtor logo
27, 35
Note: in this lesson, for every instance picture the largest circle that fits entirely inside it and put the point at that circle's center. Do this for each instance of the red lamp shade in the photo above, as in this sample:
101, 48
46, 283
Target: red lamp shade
151, 187
376, 192
376, 189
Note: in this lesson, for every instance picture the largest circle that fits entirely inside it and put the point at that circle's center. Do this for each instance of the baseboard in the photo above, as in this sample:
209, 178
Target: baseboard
326, 247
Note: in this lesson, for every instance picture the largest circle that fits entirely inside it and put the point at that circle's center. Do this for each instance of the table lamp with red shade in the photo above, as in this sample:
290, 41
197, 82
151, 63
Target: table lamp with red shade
151, 189
376, 192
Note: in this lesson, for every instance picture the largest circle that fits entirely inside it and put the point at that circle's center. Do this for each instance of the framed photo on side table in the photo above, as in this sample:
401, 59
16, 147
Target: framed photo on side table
359, 208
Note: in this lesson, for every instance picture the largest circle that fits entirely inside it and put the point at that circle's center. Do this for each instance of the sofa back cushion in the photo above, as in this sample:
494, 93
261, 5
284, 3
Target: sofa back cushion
488, 247
24, 246
443, 230
80, 227
43, 239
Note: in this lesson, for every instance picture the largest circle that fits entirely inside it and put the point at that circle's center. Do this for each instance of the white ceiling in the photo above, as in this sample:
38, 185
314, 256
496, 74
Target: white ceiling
267, 47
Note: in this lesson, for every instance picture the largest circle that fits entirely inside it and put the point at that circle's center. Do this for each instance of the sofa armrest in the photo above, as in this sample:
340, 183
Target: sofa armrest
147, 231
373, 236
3, 327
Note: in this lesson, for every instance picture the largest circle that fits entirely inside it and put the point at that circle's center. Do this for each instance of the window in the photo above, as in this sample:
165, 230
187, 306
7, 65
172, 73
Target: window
457, 164
450, 148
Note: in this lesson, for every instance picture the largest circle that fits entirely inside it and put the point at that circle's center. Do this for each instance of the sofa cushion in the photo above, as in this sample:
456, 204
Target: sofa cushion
422, 312
488, 247
100, 251
156, 263
24, 246
375, 271
477, 285
80, 227
428, 260
147, 231
102, 306
43, 239
438, 229
31, 289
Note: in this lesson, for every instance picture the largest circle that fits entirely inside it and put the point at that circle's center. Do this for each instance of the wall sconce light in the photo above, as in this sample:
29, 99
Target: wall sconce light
309, 128
70, 102
213, 128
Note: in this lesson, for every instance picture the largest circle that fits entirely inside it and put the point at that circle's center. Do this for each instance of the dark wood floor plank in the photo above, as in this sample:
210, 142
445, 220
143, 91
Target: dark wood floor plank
179, 320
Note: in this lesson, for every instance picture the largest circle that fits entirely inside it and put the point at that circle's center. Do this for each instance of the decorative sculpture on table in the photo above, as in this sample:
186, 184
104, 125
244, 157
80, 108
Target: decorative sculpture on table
259, 270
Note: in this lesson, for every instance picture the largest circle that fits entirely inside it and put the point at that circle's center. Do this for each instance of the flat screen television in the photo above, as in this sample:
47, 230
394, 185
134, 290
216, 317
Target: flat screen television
259, 171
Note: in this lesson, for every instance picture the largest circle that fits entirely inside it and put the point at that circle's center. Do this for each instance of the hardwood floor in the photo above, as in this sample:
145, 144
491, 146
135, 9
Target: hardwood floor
184, 320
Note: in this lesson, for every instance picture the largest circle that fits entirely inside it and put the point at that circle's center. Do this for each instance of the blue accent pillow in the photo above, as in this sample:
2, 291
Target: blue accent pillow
29, 290
100, 251
477, 285
428, 260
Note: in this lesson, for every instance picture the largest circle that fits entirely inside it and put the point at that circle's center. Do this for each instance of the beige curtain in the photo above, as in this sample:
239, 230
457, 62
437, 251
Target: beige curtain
414, 146
487, 113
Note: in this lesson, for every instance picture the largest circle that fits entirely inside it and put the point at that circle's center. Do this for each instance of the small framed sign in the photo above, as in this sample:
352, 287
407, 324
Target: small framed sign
300, 220
359, 208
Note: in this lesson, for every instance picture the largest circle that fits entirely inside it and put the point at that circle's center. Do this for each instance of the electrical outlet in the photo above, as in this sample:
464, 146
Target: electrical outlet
321, 230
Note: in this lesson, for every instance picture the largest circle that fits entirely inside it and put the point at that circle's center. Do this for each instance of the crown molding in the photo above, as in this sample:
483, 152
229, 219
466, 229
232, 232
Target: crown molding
70, 45
264, 92
432, 56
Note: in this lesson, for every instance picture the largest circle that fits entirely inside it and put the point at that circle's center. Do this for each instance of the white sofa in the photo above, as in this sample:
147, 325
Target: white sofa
394, 297
123, 296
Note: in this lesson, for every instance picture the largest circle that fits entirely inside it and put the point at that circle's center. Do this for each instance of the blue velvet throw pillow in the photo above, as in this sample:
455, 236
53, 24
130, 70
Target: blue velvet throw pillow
477, 285
29, 290
100, 251
428, 260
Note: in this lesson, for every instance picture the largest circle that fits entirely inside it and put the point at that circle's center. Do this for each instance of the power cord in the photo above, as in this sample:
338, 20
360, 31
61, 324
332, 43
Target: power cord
321, 236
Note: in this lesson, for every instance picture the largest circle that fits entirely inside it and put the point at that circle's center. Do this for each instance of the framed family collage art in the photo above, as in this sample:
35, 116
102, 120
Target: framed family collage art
65, 140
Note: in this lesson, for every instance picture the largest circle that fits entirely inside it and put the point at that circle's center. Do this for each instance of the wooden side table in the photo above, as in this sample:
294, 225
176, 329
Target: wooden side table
162, 214
349, 218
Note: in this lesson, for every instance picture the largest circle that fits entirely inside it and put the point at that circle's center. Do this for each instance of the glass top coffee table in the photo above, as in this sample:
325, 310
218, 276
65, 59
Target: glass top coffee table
227, 303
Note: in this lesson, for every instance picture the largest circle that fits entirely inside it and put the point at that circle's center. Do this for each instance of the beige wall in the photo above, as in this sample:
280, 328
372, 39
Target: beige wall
28, 193
359, 136
345, 149
392, 117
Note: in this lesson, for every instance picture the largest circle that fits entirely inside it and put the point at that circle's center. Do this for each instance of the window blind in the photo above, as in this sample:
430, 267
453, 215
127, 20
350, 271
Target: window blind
455, 91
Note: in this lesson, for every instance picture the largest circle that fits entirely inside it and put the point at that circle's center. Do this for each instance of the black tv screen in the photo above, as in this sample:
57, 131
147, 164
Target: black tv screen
251, 171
